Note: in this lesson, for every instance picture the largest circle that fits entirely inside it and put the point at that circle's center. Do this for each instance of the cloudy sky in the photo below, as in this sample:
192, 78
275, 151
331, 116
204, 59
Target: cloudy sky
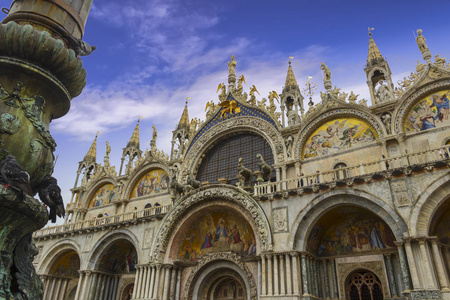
152, 54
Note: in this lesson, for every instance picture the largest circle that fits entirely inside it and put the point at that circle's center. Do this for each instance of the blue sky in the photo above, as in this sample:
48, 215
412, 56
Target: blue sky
152, 54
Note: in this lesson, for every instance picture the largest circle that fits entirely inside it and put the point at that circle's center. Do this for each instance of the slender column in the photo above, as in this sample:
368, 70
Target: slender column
95, 289
173, 283
443, 280
156, 287
107, 287
390, 273
278, 173
137, 282
166, 282
316, 277
52, 287
335, 283
295, 273
177, 289
276, 272
85, 287
115, 286
406, 279
80, 283
269, 277
309, 273
263, 275
305, 275
282, 275
152, 282
46, 284
92, 288
57, 288
102, 286
282, 115
288, 274
143, 281
63, 288
326, 279
428, 269
149, 282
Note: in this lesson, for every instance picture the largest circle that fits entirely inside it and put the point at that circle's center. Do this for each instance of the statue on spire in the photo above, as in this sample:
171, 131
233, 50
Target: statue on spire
422, 43
154, 136
326, 76
231, 73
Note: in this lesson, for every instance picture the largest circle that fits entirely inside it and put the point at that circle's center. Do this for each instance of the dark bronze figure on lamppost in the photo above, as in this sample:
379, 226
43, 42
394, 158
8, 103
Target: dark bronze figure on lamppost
40, 72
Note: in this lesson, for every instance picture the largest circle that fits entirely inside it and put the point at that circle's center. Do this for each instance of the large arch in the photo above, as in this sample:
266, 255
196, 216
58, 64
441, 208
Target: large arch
52, 254
207, 268
205, 196
236, 124
93, 188
427, 204
105, 241
306, 219
148, 166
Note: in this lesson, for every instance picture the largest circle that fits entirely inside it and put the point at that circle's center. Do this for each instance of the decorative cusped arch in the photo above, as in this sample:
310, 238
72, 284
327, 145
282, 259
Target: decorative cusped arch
307, 217
237, 124
308, 130
55, 252
207, 195
105, 241
128, 188
427, 204
207, 264
412, 99
94, 188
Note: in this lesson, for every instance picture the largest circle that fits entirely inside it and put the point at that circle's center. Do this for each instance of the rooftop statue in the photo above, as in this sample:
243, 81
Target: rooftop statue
421, 41
326, 71
232, 66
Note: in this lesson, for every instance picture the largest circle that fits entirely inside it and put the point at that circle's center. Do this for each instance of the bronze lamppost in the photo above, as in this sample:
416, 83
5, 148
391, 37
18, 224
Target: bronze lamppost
40, 72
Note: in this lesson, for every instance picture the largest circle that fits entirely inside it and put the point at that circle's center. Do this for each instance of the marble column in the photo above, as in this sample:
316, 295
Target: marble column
92, 288
137, 282
148, 283
288, 274
96, 285
269, 277
115, 287
305, 275
263, 275
390, 273
406, 279
152, 282
428, 268
282, 275
283, 175
334, 279
316, 277
442, 276
295, 273
103, 286
52, 288
84, 289
173, 283
178, 286
156, 286
326, 279
144, 281
276, 272
166, 282
108, 288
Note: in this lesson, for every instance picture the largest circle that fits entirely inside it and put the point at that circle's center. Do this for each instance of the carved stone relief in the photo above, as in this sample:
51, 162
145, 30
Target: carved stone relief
280, 219
400, 190
148, 237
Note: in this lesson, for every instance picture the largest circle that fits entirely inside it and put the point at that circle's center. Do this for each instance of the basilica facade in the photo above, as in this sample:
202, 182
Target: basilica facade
336, 200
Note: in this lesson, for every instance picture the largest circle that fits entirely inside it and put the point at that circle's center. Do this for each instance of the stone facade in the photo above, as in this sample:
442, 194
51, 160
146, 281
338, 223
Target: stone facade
357, 204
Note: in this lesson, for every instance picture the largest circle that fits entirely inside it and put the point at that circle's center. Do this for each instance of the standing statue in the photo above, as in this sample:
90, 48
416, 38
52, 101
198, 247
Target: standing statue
240, 81
155, 133
223, 94
264, 168
352, 98
252, 100
232, 66
421, 41
383, 92
108, 149
210, 107
326, 71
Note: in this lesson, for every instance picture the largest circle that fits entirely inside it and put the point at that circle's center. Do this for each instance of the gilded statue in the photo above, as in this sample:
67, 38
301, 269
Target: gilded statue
252, 100
240, 81
232, 66
223, 93
272, 107
421, 41
326, 71
209, 109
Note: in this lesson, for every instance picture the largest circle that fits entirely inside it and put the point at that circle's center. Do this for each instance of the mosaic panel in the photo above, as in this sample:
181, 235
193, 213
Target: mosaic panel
105, 195
337, 135
119, 258
430, 112
68, 265
152, 183
217, 231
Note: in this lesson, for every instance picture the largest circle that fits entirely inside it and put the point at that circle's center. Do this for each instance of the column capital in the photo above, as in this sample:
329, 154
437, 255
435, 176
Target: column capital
282, 256
168, 267
398, 244
434, 240
293, 253
422, 240
269, 256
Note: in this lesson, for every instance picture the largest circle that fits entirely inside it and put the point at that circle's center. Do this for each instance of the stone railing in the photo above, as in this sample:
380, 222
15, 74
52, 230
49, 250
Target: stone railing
392, 165
104, 221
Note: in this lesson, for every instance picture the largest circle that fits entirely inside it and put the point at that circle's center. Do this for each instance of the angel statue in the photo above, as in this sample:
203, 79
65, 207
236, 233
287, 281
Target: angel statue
421, 41
252, 100
326, 71
240, 81
210, 107
273, 95
223, 94
232, 66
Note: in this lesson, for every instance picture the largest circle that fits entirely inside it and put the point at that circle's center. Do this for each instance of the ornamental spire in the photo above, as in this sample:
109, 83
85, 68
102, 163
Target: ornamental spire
374, 56
91, 156
290, 77
134, 140
184, 121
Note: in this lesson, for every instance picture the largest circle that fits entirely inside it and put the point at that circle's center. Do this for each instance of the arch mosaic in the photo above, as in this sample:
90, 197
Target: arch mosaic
341, 115
134, 180
67, 265
413, 100
206, 195
212, 262
104, 195
89, 195
236, 124
308, 217
98, 250
55, 252
426, 205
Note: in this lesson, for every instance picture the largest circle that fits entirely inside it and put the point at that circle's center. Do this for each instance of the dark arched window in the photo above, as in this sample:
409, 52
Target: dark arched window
341, 174
221, 161
364, 285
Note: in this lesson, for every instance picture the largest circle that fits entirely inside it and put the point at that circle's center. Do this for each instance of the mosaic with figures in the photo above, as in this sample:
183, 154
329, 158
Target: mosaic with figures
349, 230
152, 183
430, 112
337, 135
67, 266
105, 195
216, 232
119, 258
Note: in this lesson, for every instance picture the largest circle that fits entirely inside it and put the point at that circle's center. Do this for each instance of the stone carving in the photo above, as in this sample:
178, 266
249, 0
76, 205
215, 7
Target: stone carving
439, 61
265, 170
383, 92
245, 175
400, 190
232, 66
252, 100
240, 89
207, 259
335, 92
210, 107
326, 72
280, 220
223, 93
148, 237
386, 119
289, 142
177, 189
205, 194
421, 42
352, 98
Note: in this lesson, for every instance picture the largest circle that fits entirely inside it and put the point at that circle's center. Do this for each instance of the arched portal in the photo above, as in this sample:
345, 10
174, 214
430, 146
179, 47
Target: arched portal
363, 285
62, 278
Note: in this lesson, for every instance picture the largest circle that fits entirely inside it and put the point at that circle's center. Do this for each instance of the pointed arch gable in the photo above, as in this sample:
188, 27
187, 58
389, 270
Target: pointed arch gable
307, 217
207, 195
427, 204
308, 130
87, 196
128, 188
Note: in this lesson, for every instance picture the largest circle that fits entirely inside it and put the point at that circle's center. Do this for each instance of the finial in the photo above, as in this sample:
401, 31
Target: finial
187, 100
370, 29
96, 135
290, 57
